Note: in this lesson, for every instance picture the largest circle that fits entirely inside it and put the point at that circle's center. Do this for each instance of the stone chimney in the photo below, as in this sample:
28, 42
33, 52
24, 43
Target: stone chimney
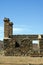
8, 42
11, 28
6, 28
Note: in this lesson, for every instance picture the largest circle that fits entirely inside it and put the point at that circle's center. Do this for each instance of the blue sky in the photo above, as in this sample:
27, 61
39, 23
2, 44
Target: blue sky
27, 16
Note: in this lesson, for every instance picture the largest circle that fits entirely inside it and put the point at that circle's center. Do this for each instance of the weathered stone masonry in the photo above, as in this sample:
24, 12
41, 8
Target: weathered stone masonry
19, 45
8, 42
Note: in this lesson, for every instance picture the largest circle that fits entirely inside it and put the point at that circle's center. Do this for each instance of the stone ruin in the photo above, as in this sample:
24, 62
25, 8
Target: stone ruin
20, 45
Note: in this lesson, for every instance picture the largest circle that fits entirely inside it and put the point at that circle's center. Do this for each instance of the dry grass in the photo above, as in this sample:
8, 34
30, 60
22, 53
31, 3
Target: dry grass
13, 60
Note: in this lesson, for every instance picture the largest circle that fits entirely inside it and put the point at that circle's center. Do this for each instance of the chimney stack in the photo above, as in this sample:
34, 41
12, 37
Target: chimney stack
11, 28
6, 27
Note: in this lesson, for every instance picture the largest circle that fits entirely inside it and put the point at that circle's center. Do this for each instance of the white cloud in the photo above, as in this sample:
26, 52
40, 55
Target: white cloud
22, 29
17, 30
1, 33
1, 28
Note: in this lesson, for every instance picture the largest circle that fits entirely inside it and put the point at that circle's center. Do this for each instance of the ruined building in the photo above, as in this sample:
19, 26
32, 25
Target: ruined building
20, 45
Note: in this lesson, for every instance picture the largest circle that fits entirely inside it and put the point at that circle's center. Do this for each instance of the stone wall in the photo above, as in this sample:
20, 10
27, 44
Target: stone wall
19, 45
25, 45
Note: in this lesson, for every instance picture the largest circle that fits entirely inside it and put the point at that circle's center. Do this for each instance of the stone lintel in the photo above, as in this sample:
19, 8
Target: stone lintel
6, 38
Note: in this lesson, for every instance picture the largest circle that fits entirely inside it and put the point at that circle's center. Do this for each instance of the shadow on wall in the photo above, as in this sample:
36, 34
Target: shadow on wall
17, 44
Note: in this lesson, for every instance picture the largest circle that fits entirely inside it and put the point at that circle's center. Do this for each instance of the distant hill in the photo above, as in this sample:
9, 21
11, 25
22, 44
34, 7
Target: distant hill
1, 45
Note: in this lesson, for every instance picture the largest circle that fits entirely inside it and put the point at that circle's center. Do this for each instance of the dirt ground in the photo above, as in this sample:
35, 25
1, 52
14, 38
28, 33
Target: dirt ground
19, 60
